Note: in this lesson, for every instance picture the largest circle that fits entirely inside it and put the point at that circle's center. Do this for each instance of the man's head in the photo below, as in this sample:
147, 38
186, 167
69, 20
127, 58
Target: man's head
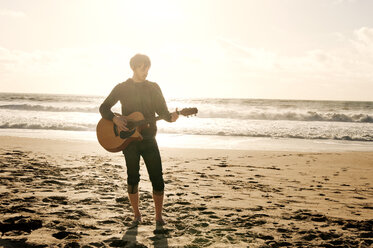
140, 65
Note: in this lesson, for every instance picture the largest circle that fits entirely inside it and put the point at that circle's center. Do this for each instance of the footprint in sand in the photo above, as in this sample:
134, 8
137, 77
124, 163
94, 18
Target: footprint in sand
56, 199
20, 223
63, 234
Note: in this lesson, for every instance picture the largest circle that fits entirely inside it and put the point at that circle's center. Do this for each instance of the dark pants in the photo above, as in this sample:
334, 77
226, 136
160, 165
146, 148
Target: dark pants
148, 149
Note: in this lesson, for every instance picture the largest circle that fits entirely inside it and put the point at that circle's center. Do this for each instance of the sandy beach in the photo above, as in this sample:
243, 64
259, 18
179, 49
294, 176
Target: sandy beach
73, 194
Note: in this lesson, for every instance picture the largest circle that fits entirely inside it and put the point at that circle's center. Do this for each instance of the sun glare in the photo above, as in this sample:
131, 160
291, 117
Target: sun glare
151, 13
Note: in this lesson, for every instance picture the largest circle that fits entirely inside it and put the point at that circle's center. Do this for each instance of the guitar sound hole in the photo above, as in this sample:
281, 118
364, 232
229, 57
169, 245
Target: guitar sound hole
131, 125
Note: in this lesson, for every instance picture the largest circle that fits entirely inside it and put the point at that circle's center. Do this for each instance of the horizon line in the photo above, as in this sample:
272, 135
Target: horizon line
248, 98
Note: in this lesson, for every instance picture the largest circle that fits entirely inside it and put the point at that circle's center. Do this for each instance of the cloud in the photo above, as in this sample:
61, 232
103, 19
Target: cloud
12, 13
67, 70
323, 72
253, 57
61, 60
341, 71
353, 52
344, 1
364, 36
228, 44
347, 66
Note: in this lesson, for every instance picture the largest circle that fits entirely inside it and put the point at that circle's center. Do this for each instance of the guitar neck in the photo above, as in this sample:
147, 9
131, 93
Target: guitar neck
144, 122
185, 112
148, 120
159, 117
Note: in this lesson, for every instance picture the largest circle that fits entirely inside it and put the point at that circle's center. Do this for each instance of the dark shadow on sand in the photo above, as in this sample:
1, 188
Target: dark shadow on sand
130, 234
160, 237
18, 243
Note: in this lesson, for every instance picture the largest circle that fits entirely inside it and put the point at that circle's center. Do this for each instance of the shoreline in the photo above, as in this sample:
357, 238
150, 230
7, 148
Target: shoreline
188, 141
55, 146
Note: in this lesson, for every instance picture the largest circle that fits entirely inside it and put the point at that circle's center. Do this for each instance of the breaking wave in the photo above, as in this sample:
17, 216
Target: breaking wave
91, 127
29, 107
226, 113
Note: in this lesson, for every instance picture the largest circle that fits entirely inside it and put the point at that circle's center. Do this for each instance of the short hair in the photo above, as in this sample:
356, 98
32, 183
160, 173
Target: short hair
139, 60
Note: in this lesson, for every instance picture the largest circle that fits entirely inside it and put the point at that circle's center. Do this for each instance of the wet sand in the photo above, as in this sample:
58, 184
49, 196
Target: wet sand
73, 194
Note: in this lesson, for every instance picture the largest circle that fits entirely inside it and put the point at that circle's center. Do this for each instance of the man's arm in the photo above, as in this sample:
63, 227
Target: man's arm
106, 113
161, 106
109, 102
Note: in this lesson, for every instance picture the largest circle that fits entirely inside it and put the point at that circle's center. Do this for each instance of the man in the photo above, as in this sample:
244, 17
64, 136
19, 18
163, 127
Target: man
139, 95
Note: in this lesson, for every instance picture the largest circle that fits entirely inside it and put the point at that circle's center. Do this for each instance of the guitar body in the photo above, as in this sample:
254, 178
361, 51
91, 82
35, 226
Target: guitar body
109, 137
112, 140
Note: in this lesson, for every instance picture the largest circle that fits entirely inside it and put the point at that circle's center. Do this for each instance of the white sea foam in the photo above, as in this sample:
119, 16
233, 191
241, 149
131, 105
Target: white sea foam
326, 120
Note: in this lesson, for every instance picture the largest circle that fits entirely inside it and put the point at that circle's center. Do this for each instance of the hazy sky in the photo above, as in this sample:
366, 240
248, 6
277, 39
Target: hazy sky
282, 49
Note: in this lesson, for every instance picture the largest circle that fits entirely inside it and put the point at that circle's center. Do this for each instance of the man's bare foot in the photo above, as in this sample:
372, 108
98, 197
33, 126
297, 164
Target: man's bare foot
136, 221
160, 222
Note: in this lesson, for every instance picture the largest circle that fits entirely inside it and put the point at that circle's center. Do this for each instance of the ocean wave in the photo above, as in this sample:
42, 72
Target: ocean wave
65, 127
368, 138
288, 134
34, 97
29, 107
289, 116
222, 113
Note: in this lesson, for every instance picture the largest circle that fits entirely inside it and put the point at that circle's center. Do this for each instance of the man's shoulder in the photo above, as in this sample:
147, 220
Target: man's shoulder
150, 83
127, 82
153, 85
123, 85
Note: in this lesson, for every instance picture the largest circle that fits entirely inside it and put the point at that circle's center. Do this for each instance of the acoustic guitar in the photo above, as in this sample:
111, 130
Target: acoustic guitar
112, 140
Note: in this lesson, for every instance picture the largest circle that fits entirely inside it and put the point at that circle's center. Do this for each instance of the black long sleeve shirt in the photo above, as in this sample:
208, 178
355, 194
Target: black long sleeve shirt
145, 97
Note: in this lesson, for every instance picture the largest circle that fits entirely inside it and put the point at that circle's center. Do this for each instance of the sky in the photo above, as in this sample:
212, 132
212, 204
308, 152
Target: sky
278, 49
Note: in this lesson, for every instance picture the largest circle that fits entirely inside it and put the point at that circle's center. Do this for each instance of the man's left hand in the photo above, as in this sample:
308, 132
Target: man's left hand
174, 116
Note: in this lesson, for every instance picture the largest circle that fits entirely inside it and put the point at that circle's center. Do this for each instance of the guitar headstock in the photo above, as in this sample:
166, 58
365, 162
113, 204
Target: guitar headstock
188, 111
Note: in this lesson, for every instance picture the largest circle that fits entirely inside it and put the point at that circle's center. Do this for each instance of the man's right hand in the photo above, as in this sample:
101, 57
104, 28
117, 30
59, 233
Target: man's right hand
121, 123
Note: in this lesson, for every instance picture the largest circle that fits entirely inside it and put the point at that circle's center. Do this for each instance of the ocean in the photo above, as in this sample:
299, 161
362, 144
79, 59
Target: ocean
231, 123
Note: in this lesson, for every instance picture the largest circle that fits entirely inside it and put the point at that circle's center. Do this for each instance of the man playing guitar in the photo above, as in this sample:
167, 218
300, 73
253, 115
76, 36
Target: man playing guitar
137, 94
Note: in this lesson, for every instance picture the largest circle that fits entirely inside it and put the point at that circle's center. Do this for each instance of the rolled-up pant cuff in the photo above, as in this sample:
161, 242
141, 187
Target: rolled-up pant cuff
158, 192
133, 189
